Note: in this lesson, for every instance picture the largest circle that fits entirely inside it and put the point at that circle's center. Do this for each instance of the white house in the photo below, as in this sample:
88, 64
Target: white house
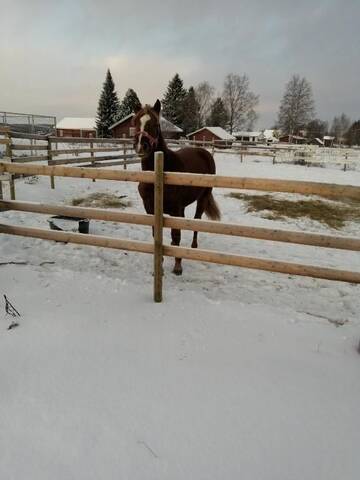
251, 137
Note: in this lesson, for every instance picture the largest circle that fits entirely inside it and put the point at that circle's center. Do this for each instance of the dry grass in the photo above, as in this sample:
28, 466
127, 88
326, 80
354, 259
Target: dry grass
101, 200
333, 214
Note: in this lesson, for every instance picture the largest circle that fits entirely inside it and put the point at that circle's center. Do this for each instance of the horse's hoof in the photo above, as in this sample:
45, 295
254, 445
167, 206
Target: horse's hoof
177, 271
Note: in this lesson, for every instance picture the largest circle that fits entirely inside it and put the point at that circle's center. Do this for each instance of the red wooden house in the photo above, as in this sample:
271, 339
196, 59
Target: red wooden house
76, 127
124, 128
212, 134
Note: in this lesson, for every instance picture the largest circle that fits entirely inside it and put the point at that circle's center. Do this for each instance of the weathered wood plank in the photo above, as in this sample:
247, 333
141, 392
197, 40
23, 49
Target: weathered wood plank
158, 225
190, 179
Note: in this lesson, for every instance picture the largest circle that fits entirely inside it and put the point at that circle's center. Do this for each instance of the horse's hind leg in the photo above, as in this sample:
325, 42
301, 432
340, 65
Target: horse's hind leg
200, 208
175, 240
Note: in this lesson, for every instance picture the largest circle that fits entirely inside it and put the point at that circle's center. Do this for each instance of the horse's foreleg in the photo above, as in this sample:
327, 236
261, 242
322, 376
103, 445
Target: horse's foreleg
175, 240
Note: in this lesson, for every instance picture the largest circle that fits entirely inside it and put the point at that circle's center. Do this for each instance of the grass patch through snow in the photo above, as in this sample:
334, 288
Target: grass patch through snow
101, 200
334, 214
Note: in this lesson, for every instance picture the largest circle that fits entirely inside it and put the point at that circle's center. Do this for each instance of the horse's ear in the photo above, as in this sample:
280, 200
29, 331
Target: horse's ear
157, 106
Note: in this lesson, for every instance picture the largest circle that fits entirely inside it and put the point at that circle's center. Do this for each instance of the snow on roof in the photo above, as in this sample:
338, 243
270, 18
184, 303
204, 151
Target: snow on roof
168, 126
269, 133
75, 123
122, 120
165, 124
327, 137
246, 134
217, 131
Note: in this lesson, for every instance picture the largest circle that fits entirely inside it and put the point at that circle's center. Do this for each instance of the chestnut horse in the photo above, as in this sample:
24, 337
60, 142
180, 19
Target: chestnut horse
149, 139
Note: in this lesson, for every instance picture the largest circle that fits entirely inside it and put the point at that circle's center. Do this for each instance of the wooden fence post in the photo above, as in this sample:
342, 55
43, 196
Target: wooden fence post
52, 179
125, 151
158, 225
8, 153
92, 155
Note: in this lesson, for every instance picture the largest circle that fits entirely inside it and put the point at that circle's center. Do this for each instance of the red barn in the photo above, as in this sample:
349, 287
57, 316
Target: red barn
125, 128
76, 127
212, 134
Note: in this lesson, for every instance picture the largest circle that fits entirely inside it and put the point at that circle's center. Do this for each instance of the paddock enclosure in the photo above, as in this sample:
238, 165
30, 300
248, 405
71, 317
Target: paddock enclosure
93, 167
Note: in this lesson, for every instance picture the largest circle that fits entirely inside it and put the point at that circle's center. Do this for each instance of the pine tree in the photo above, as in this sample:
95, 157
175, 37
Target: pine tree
353, 134
108, 107
218, 115
173, 101
316, 129
297, 105
130, 104
190, 111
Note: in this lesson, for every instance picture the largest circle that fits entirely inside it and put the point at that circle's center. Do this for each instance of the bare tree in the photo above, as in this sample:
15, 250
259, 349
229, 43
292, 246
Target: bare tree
339, 127
204, 94
297, 106
240, 102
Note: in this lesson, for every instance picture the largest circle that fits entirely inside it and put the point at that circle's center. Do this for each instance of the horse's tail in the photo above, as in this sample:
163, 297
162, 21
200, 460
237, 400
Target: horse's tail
211, 208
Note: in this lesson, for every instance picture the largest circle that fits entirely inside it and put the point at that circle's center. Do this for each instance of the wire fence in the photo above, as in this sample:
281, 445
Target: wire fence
29, 122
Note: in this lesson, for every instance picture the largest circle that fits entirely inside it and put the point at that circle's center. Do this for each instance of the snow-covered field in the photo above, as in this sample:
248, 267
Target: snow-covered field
237, 374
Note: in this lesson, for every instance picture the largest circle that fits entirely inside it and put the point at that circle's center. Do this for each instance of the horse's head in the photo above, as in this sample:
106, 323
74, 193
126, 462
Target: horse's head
147, 128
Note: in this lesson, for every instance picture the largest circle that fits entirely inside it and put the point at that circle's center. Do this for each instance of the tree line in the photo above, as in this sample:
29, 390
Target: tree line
234, 108
296, 116
189, 109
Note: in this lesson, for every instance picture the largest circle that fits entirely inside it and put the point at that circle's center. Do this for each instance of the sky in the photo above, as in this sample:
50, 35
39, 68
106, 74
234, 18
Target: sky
54, 54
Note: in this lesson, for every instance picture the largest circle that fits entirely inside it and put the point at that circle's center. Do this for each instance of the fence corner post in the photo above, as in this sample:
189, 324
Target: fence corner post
9, 155
158, 225
49, 151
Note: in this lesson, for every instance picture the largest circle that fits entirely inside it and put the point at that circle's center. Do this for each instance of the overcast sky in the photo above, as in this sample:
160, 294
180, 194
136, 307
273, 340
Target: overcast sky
54, 54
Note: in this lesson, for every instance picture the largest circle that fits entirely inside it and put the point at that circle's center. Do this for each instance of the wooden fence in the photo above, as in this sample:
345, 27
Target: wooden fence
45, 148
159, 221
280, 152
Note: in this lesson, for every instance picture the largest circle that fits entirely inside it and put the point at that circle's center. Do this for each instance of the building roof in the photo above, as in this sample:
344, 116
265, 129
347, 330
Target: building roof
295, 137
246, 134
77, 123
122, 120
269, 133
217, 131
165, 124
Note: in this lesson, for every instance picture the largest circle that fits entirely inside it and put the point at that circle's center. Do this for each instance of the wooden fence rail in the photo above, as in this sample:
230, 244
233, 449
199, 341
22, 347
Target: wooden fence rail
191, 179
159, 221
45, 148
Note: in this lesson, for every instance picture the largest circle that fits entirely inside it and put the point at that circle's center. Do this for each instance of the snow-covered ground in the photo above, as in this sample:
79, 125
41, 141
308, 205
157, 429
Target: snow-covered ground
237, 374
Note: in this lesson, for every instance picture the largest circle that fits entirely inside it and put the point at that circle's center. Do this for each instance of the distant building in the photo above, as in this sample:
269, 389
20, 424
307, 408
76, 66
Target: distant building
328, 141
125, 128
294, 139
212, 134
269, 136
247, 137
317, 141
76, 127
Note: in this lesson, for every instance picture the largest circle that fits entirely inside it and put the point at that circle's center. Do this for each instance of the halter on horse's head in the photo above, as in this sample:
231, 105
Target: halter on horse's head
147, 129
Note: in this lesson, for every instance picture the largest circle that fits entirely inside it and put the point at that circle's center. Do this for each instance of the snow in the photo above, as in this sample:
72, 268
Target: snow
77, 123
237, 374
246, 134
218, 131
